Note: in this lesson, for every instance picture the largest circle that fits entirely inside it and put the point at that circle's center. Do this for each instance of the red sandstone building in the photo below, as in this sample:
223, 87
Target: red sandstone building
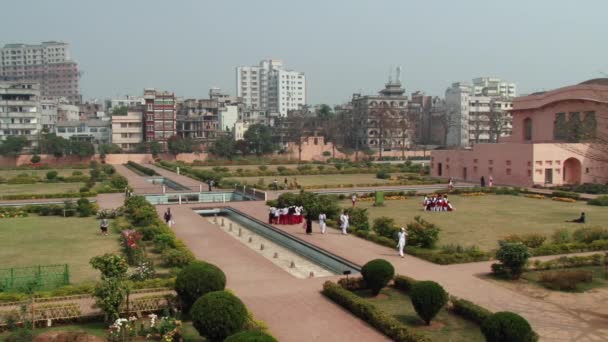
558, 138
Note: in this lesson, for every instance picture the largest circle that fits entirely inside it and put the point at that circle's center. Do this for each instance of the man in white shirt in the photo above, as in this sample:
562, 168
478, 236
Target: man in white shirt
322, 224
344, 223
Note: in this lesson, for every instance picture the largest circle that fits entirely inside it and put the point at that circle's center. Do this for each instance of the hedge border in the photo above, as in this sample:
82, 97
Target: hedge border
369, 313
140, 168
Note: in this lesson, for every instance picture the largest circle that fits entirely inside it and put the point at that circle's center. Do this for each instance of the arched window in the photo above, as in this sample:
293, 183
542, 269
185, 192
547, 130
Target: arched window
527, 129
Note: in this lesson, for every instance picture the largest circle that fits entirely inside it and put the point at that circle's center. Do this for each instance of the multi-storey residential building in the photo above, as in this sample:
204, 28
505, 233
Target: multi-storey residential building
380, 122
477, 114
48, 63
127, 130
418, 112
492, 86
160, 116
94, 131
271, 87
20, 112
198, 119
48, 114
67, 111
127, 102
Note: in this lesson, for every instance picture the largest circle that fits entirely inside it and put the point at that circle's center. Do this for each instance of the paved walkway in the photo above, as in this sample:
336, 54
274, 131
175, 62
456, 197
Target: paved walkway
552, 321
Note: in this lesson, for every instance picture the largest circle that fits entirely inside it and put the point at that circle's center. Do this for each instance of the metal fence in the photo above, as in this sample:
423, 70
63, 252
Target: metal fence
252, 193
41, 277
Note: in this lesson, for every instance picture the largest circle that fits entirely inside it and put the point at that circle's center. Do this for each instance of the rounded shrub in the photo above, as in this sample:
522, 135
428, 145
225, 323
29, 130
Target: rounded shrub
507, 327
513, 255
218, 315
35, 159
197, 279
428, 298
250, 336
51, 175
377, 273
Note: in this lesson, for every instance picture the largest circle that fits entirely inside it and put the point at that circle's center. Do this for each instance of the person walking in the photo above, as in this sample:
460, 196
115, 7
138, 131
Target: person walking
308, 223
168, 217
483, 182
353, 199
491, 182
344, 223
402, 236
451, 184
322, 223
103, 226
275, 184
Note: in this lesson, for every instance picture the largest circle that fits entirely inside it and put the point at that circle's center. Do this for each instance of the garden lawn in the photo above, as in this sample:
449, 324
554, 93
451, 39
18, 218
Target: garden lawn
39, 188
6, 174
46, 240
319, 180
445, 327
599, 277
483, 220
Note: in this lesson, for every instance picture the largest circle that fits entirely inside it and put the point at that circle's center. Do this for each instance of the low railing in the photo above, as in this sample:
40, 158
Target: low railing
251, 193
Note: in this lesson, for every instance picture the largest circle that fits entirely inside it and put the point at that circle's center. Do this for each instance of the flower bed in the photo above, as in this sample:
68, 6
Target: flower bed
473, 194
535, 196
12, 212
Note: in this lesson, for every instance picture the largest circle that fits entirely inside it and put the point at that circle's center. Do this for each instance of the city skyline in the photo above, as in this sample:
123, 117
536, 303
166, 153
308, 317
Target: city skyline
117, 49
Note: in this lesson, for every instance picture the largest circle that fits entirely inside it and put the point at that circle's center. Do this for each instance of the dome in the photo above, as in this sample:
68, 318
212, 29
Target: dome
598, 81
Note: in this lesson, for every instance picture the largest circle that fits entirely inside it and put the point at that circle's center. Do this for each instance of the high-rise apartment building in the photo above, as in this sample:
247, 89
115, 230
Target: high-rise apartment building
271, 87
20, 110
48, 63
160, 116
478, 112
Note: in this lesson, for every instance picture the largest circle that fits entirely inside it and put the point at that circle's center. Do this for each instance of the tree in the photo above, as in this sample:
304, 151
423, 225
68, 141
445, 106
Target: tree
428, 298
121, 110
325, 113
13, 145
109, 149
112, 290
81, 149
52, 144
384, 120
513, 256
498, 121
224, 147
298, 128
259, 139
155, 148
178, 145
35, 159
377, 273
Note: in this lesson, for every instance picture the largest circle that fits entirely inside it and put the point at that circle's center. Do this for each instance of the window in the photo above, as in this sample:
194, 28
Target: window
560, 126
61, 129
527, 129
508, 172
71, 130
93, 130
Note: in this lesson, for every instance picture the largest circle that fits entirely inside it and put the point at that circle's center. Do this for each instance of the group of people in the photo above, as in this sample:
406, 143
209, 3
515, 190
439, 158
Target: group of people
437, 203
288, 215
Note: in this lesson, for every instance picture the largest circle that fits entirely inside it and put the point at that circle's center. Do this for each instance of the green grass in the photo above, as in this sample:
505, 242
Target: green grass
6, 174
37, 240
599, 277
445, 327
39, 188
233, 168
483, 220
317, 180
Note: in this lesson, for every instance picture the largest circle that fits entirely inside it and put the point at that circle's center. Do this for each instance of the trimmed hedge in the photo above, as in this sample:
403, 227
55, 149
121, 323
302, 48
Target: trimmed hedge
42, 196
377, 273
404, 283
428, 298
469, 310
572, 247
196, 280
507, 327
601, 201
250, 336
218, 315
369, 313
145, 170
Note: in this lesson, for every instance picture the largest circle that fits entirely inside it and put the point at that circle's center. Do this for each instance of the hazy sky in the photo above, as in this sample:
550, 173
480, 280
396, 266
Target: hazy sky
342, 46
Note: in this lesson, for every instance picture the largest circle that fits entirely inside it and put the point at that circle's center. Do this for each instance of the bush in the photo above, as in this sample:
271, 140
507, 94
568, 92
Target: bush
377, 273
566, 194
507, 327
118, 182
196, 280
601, 201
422, 233
21, 335
385, 226
177, 257
383, 174
532, 240
250, 336
145, 170
567, 280
218, 315
513, 256
85, 208
380, 320
428, 298
404, 283
590, 234
35, 159
469, 310
357, 218
51, 175
561, 236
